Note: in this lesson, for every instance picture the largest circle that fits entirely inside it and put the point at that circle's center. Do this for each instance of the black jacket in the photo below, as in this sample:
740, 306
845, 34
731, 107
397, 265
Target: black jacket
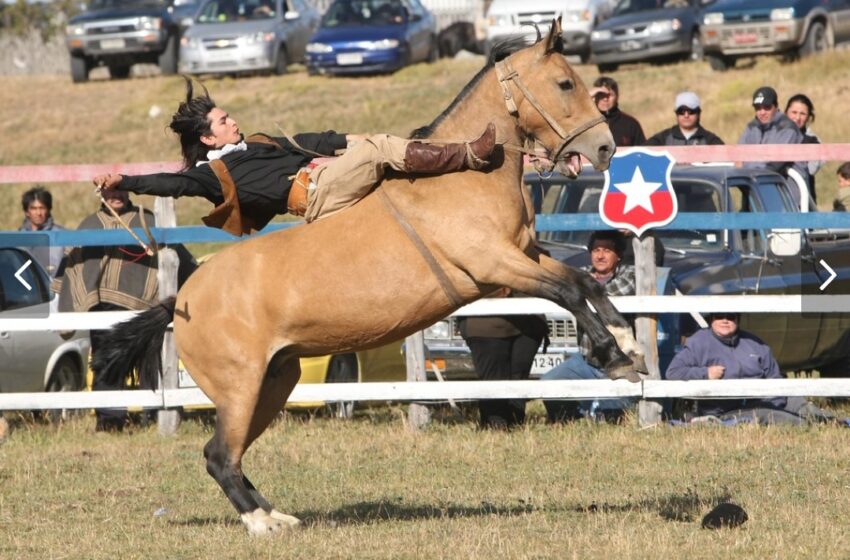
261, 174
673, 137
625, 128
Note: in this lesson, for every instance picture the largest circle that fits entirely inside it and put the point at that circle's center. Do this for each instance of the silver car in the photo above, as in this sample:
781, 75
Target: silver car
236, 36
33, 361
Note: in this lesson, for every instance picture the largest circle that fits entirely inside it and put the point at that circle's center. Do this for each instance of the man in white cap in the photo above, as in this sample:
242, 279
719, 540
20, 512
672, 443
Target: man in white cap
687, 131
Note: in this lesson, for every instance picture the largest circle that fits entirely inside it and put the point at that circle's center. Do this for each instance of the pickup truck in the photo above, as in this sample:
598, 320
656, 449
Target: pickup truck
734, 29
120, 33
703, 262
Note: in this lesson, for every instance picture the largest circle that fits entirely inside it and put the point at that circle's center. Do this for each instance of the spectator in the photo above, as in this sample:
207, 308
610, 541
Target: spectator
606, 253
687, 131
801, 110
111, 278
771, 126
37, 204
624, 127
252, 181
722, 351
503, 348
842, 197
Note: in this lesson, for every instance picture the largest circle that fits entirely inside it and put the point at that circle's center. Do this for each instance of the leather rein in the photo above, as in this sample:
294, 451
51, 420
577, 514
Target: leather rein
505, 75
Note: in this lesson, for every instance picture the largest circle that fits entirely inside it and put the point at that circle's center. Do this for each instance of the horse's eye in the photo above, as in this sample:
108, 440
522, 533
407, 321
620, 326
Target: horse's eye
566, 85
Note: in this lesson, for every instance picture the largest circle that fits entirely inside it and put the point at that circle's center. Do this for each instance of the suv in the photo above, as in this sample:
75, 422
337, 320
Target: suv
509, 19
120, 33
734, 29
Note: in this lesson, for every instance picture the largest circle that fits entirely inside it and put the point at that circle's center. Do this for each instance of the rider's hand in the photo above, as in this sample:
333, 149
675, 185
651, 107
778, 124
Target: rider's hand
108, 182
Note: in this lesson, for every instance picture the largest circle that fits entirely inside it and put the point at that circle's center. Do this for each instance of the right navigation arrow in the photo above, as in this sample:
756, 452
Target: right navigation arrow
832, 275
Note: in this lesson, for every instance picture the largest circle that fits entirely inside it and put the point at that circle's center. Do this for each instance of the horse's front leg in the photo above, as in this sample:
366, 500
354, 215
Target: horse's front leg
572, 289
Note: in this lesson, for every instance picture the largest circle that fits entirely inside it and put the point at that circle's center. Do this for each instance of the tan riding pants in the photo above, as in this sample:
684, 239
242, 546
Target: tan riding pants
341, 182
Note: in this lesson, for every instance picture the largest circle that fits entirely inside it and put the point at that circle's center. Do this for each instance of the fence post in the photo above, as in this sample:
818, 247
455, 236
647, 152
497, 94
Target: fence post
646, 278
418, 415
167, 420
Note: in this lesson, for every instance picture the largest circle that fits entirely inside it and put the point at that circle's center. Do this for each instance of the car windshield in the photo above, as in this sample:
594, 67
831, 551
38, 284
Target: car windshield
112, 4
344, 13
632, 6
224, 11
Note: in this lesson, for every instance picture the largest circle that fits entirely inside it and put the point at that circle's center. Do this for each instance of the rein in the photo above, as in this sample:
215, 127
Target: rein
505, 74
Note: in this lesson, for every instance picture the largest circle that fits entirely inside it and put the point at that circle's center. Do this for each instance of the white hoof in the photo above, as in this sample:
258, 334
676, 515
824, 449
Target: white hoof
261, 523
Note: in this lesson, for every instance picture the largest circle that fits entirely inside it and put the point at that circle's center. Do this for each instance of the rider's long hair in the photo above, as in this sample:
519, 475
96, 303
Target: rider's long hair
190, 122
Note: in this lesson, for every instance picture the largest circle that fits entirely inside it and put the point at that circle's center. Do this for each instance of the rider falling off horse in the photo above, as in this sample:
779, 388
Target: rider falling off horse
250, 180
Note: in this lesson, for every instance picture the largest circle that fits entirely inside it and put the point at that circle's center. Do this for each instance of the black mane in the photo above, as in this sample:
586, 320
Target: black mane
500, 51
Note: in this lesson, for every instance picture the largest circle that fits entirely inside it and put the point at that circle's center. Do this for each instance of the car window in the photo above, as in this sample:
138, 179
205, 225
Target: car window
742, 199
13, 293
632, 6
365, 12
123, 4
776, 195
223, 11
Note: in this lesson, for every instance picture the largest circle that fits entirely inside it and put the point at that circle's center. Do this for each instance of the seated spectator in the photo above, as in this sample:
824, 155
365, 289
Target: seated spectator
842, 197
606, 253
625, 129
722, 351
687, 131
771, 126
801, 110
37, 204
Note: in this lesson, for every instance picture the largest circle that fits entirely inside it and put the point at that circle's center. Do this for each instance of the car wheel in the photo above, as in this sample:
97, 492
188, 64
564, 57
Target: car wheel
697, 53
119, 72
66, 376
342, 369
720, 63
79, 69
815, 40
433, 51
606, 68
168, 59
584, 56
281, 63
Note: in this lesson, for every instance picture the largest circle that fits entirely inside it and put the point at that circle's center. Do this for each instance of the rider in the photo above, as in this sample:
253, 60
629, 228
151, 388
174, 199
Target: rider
250, 180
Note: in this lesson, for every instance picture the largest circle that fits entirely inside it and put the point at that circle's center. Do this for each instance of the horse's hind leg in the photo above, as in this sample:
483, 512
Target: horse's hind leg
242, 417
568, 288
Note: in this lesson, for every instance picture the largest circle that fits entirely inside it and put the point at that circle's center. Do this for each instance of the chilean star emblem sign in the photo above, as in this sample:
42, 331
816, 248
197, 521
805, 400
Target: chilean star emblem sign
638, 193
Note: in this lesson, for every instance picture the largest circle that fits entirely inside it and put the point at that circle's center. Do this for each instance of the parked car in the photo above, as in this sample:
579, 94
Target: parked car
509, 19
120, 33
648, 30
372, 36
33, 361
734, 29
237, 36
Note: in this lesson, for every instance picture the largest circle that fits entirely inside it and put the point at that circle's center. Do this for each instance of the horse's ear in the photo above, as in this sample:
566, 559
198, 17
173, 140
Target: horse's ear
555, 41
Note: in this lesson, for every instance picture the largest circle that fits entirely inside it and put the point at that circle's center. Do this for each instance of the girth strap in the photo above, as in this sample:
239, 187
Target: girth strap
436, 269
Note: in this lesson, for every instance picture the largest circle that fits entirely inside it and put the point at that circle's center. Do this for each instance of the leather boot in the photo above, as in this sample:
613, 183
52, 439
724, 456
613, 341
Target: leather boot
444, 158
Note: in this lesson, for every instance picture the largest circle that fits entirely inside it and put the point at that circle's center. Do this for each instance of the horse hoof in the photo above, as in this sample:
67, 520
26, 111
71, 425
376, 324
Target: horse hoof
624, 372
261, 523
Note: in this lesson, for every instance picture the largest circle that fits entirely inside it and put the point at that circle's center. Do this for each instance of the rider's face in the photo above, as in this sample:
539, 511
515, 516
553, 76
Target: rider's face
223, 130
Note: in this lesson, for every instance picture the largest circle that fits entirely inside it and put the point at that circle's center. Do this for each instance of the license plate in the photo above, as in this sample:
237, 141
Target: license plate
746, 38
110, 44
630, 45
544, 362
348, 59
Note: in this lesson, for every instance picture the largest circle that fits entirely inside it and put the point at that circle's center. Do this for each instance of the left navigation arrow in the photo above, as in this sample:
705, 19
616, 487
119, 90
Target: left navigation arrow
20, 279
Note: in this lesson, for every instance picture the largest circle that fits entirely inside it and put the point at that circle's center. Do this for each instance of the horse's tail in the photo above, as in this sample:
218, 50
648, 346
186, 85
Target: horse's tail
134, 344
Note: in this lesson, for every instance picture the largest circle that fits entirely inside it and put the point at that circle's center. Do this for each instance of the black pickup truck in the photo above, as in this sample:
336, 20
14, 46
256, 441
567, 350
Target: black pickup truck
703, 262
120, 33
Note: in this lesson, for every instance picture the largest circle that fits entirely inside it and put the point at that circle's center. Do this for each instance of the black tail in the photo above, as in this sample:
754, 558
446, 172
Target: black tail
134, 344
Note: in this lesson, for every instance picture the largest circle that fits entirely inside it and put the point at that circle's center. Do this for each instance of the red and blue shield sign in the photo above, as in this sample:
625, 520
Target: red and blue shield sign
638, 192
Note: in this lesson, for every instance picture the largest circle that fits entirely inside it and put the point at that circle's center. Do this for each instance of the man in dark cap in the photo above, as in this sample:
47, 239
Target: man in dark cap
772, 126
687, 131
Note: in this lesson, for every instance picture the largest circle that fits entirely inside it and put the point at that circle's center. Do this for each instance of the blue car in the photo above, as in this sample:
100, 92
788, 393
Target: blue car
372, 37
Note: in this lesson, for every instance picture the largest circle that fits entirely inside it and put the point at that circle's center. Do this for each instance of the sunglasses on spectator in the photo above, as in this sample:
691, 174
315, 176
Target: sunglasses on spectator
687, 111
763, 107
726, 316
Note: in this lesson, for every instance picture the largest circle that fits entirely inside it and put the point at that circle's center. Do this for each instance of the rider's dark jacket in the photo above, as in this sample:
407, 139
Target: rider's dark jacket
262, 175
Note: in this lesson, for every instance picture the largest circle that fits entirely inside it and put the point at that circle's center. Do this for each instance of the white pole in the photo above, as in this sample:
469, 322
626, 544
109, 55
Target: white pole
168, 420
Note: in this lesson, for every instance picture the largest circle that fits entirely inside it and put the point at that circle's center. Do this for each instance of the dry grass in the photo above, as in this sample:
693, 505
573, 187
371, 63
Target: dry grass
371, 489
48, 120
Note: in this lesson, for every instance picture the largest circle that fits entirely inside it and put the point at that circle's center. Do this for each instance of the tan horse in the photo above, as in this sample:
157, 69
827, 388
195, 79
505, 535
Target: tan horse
394, 263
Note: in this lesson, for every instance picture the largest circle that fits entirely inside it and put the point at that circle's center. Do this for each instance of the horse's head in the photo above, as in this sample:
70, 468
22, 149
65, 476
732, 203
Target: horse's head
552, 106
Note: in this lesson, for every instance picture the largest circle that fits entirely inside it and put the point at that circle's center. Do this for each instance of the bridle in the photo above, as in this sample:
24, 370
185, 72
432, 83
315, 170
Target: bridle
505, 74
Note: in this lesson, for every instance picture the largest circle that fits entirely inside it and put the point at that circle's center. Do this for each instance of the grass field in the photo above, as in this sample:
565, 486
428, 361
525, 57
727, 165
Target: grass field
49, 120
371, 489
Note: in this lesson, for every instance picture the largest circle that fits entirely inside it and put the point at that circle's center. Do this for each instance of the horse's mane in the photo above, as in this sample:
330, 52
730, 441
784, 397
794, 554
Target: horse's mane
499, 51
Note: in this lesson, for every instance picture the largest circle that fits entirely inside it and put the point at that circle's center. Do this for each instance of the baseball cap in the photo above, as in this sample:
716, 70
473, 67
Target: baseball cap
765, 96
687, 99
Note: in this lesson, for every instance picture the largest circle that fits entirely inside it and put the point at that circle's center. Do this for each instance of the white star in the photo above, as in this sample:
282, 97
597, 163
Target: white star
637, 192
